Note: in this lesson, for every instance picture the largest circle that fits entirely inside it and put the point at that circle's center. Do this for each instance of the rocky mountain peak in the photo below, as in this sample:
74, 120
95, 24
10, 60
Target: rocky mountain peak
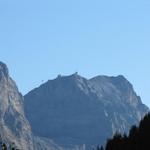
3, 70
71, 77
77, 111
14, 125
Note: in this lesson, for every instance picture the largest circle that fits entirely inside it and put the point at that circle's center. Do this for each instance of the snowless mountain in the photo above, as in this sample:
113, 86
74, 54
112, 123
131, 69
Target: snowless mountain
69, 112
14, 127
74, 111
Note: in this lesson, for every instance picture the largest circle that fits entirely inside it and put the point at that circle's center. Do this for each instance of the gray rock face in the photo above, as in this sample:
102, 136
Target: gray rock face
3, 70
14, 126
70, 112
74, 111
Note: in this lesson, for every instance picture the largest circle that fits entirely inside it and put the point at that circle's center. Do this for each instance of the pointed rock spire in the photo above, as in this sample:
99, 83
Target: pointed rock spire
3, 70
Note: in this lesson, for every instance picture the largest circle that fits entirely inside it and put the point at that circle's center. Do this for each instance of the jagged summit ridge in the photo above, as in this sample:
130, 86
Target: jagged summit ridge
76, 111
118, 86
99, 85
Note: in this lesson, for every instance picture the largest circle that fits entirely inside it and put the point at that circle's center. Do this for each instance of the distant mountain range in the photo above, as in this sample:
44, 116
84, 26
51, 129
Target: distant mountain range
67, 113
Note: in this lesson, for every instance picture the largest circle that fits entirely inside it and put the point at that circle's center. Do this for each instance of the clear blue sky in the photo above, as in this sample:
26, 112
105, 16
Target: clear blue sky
40, 39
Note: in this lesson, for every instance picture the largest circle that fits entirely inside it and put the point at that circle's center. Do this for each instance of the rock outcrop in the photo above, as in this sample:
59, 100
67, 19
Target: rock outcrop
14, 127
74, 111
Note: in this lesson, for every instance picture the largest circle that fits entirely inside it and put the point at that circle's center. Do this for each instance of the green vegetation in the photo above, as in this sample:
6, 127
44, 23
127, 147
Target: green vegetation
4, 146
138, 138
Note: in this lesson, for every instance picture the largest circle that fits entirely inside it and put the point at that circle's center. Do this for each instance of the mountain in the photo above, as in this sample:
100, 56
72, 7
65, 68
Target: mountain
13, 123
14, 127
75, 111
